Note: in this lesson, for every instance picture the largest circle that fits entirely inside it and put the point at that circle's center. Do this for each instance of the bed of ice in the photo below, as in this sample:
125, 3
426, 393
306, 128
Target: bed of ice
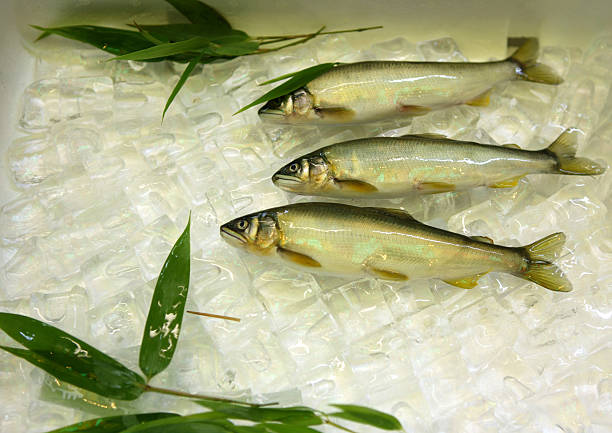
105, 190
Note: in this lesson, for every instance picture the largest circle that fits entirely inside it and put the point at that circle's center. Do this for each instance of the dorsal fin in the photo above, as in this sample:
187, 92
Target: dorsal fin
511, 146
393, 212
424, 135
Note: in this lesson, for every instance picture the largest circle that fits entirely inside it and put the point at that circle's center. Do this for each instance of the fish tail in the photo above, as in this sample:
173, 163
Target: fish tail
530, 70
539, 269
564, 150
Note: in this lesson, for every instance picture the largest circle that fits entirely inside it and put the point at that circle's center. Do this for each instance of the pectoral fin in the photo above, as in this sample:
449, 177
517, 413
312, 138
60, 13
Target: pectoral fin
482, 239
481, 100
424, 135
338, 114
387, 275
413, 110
356, 186
508, 183
511, 146
467, 282
435, 187
298, 258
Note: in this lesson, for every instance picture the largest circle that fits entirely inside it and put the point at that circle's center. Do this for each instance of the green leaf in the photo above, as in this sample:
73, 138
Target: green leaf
298, 79
197, 422
165, 317
114, 41
167, 49
112, 424
291, 415
229, 48
180, 32
70, 359
284, 428
201, 14
365, 415
182, 79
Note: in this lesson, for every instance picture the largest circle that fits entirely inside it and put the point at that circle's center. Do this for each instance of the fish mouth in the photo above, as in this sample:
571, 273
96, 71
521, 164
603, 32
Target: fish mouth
232, 236
285, 181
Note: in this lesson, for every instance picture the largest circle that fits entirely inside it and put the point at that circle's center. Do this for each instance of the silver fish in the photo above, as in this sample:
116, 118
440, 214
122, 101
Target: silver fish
376, 90
385, 167
387, 244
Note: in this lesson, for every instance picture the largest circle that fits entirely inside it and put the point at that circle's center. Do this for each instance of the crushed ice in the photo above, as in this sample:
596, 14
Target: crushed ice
104, 190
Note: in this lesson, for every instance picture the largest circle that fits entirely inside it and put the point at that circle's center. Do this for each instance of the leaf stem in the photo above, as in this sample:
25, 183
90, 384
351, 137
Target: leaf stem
286, 37
157, 390
299, 41
216, 316
341, 427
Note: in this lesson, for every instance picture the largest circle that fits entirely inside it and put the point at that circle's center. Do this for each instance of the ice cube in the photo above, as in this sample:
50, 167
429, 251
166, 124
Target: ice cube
49, 101
22, 219
441, 50
396, 49
118, 321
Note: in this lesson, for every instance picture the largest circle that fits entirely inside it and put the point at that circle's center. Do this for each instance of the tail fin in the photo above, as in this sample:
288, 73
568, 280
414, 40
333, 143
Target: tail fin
540, 270
525, 57
564, 149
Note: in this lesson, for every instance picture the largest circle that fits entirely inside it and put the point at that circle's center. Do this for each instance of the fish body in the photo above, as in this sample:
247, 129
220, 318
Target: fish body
377, 90
384, 167
385, 243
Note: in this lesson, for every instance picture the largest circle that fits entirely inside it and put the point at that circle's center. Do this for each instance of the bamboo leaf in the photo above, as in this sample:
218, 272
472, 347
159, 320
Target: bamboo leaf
196, 422
114, 41
297, 80
229, 48
181, 32
70, 359
365, 415
182, 79
201, 14
167, 49
112, 424
284, 428
291, 415
165, 317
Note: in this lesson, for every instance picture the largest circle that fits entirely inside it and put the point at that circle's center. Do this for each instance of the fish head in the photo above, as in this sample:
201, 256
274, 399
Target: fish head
305, 175
294, 107
257, 233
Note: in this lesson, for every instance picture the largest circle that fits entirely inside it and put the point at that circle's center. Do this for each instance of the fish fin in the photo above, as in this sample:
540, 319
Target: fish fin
356, 185
481, 100
339, 114
528, 69
466, 282
548, 276
546, 249
435, 187
482, 239
424, 135
394, 212
508, 183
414, 110
298, 258
387, 275
511, 146
564, 149
540, 270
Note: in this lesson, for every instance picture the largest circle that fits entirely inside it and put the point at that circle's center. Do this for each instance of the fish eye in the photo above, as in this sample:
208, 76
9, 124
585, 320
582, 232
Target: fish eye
294, 167
242, 224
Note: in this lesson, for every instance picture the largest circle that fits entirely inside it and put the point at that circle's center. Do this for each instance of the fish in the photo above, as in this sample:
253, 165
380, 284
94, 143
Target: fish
387, 167
389, 244
376, 90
